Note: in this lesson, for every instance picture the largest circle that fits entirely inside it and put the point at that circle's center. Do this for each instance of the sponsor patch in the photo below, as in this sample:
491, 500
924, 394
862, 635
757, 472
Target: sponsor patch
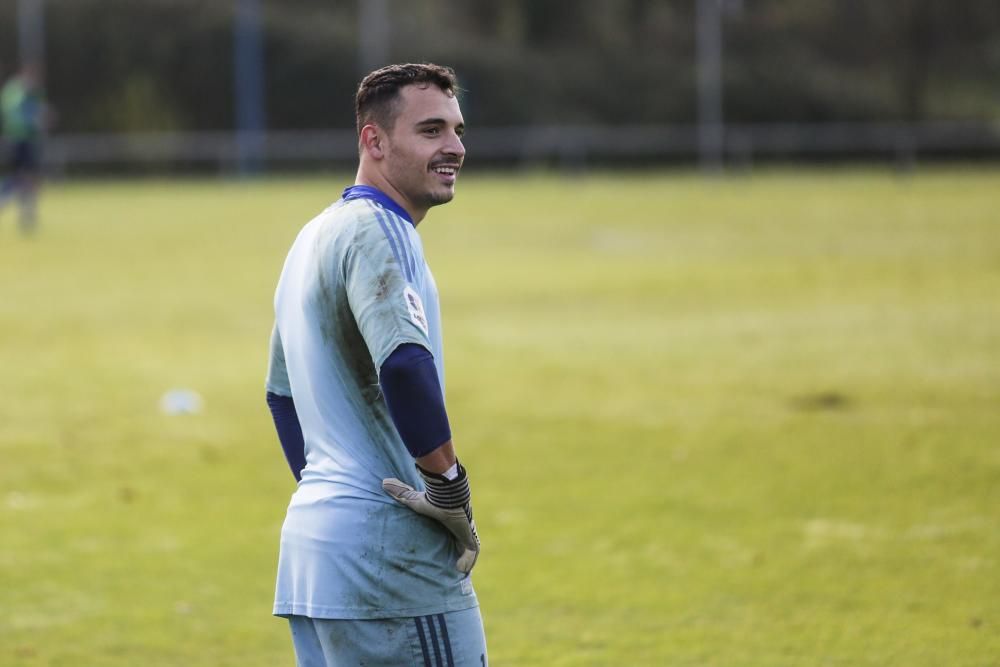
416, 309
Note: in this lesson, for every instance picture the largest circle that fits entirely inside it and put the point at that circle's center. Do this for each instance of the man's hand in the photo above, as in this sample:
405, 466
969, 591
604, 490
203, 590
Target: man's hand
447, 501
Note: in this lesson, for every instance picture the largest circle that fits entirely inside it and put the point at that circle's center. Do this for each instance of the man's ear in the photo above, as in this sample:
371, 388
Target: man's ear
372, 141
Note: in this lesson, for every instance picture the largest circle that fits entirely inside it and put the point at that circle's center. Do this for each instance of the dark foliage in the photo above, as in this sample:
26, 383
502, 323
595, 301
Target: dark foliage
132, 65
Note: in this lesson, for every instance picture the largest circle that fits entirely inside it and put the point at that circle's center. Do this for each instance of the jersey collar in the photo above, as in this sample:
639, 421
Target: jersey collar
368, 192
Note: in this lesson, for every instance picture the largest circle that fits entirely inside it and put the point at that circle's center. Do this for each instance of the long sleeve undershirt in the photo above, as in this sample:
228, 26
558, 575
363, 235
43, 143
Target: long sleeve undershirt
286, 422
413, 395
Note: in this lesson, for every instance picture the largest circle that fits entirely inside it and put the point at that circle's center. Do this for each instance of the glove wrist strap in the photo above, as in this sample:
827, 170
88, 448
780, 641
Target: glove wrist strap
447, 493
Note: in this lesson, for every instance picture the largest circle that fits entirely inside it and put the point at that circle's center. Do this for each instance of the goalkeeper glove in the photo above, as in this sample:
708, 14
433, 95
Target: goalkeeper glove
447, 501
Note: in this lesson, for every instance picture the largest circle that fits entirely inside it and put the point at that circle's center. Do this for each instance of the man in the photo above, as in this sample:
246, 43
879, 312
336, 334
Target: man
23, 112
375, 551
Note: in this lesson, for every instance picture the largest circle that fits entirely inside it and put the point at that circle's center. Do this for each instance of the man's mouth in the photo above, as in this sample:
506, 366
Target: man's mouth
446, 169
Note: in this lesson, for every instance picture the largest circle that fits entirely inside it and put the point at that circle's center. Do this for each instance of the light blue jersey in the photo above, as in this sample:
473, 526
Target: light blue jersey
354, 287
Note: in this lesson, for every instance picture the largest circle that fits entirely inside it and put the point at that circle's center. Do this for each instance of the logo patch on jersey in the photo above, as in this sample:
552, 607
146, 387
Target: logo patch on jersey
416, 309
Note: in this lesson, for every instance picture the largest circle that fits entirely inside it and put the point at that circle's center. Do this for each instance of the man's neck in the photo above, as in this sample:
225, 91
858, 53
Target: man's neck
378, 182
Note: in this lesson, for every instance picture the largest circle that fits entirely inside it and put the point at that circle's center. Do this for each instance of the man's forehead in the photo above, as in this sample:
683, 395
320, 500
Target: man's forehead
420, 102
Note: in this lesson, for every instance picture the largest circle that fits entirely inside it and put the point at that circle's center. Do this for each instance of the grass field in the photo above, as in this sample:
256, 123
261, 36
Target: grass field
752, 421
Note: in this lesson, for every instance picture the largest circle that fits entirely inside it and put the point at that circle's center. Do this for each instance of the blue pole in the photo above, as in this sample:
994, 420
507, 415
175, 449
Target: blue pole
373, 34
248, 58
711, 130
31, 32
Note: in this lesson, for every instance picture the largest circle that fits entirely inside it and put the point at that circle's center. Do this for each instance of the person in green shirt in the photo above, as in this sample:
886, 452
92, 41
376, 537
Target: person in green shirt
23, 114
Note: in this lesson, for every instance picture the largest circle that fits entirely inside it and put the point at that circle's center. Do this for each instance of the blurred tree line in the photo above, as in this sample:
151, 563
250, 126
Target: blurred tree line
133, 65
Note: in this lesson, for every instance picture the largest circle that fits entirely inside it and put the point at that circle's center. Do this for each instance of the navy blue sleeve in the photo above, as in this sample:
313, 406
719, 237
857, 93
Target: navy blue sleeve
286, 421
413, 395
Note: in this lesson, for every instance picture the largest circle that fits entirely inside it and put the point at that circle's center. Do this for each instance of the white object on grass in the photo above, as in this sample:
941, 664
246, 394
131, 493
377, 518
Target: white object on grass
181, 402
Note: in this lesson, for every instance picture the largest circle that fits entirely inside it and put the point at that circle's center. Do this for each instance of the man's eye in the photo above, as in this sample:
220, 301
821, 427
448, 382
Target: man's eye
432, 131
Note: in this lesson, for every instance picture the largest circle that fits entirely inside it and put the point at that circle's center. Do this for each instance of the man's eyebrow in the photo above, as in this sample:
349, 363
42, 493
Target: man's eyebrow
436, 121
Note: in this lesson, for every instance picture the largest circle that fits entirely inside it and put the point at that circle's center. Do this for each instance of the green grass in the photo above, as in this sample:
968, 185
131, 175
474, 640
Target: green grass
750, 421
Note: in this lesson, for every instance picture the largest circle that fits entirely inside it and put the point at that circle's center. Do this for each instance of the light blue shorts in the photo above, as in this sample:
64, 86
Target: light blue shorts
452, 639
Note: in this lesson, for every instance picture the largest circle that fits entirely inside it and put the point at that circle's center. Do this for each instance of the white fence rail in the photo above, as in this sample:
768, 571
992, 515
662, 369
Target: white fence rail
565, 144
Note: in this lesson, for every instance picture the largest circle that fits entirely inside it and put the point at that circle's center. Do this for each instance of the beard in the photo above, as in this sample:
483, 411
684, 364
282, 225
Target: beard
440, 197
417, 182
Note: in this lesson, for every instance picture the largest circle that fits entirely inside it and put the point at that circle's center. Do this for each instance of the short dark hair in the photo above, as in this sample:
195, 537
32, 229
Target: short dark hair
378, 93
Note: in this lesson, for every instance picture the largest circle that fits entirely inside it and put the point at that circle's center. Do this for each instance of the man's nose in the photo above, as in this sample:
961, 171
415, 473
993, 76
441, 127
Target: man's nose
455, 146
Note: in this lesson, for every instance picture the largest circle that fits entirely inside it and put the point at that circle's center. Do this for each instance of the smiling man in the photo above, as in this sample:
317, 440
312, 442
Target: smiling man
379, 540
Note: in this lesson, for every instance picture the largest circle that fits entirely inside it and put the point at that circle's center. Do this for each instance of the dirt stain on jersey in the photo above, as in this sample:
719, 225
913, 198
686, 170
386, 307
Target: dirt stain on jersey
382, 285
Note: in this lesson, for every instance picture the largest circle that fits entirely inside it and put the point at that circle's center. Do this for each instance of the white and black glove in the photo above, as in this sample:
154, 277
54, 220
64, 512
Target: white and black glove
447, 501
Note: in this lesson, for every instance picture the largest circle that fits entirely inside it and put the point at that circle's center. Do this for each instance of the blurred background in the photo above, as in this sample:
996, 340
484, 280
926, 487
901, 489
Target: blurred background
250, 85
747, 420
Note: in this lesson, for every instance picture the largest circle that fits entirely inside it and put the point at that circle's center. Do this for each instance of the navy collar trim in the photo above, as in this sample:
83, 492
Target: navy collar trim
368, 192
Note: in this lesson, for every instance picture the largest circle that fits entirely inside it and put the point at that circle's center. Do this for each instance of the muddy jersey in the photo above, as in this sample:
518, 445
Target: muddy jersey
354, 287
